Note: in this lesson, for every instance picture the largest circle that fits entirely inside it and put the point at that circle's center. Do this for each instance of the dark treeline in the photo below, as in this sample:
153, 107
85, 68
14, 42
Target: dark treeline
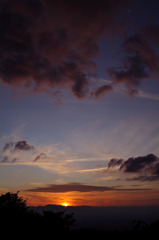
18, 220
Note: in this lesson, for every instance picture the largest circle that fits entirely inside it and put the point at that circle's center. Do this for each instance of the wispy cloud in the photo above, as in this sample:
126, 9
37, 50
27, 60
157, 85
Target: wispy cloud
147, 95
107, 85
93, 170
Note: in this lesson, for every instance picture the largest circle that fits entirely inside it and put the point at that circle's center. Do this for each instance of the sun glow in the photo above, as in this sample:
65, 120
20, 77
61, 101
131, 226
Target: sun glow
65, 204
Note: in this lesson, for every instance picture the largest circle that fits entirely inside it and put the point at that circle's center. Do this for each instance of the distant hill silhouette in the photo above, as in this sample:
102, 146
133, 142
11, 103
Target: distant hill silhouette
105, 218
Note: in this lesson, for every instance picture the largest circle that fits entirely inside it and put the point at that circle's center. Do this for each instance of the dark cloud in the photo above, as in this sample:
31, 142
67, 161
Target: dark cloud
17, 146
40, 156
8, 160
11, 148
102, 90
115, 162
138, 164
5, 159
23, 146
48, 45
7, 146
146, 168
14, 160
140, 59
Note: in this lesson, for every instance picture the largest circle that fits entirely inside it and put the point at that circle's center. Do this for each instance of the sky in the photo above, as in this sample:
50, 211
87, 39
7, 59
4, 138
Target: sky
79, 89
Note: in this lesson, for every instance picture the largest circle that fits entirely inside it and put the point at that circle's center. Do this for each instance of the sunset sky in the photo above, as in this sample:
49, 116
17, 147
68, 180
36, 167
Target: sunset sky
79, 89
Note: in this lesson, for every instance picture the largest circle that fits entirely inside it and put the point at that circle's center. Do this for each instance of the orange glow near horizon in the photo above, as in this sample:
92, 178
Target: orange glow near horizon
111, 198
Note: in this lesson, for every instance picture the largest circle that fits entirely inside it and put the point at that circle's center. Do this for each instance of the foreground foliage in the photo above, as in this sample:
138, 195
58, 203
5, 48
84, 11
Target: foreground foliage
16, 216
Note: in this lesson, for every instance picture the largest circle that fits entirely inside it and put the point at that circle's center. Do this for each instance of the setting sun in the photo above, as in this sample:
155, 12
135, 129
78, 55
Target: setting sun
65, 204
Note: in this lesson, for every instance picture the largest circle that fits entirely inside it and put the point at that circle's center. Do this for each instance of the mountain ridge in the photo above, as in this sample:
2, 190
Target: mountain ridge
105, 218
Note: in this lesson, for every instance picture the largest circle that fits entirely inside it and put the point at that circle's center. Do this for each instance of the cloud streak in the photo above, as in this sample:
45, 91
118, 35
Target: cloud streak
69, 188
75, 187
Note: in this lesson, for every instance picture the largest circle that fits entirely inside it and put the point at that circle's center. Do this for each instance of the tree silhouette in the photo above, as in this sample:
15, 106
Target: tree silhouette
11, 202
139, 225
12, 208
16, 216
58, 221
